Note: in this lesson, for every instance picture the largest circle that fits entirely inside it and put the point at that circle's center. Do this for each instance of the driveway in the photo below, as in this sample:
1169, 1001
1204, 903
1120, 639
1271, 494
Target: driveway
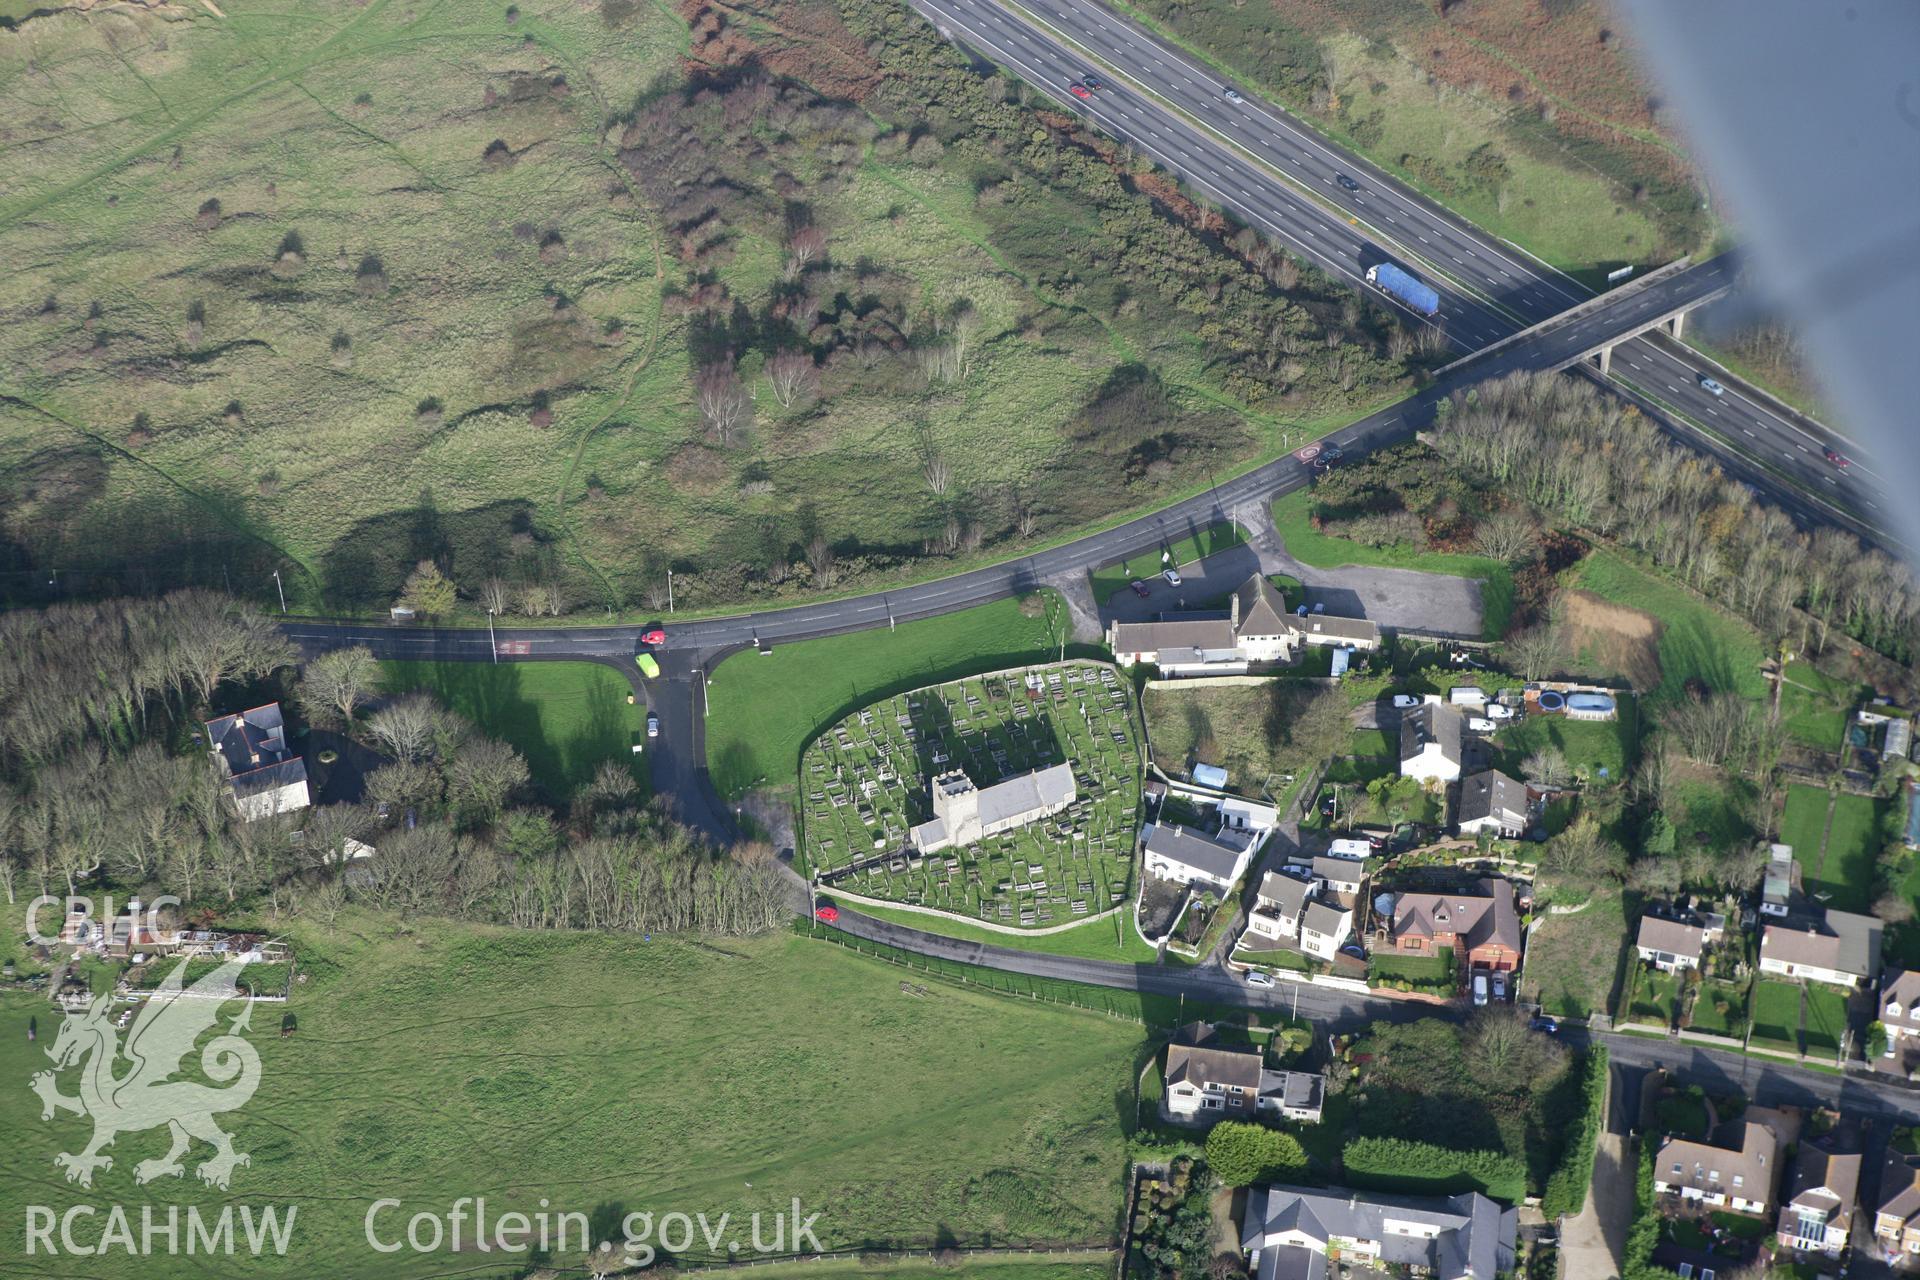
1593, 1242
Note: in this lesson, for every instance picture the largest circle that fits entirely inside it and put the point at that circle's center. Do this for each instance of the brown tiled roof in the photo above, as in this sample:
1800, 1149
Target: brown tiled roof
1658, 934
1753, 1164
1202, 1067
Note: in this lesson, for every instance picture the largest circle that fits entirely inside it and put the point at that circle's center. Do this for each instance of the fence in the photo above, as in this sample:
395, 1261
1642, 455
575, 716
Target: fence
867, 1256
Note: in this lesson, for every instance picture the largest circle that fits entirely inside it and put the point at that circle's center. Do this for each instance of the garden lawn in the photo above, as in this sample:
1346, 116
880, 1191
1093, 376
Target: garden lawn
1705, 1016
1282, 959
1776, 1012
1148, 564
1709, 805
566, 718
765, 708
1698, 640
1853, 842
1814, 706
1683, 1113
1572, 960
1826, 1018
1293, 518
1656, 998
1436, 968
1804, 827
603, 1070
1601, 749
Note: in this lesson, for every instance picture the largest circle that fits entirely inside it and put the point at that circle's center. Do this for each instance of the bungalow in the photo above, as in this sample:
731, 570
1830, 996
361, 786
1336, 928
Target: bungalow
1481, 928
1255, 630
1185, 856
1896, 1221
1719, 1178
1821, 1197
1837, 947
1294, 1095
1431, 743
1492, 802
1669, 945
251, 748
1204, 1080
1900, 1009
1290, 1232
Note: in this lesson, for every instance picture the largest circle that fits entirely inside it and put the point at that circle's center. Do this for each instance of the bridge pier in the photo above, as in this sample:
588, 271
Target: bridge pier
1604, 358
1677, 325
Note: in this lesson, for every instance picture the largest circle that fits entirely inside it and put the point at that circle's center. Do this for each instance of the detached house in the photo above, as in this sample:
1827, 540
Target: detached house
1290, 1232
1186, 856
1900, 1009
1205, 1081
258, 764
1718, 1177
1494, 803
1837, 947
1431, 742
1822, 1194
1256, 630
1896, 1222
1669, 945
1285, 910
1482, 928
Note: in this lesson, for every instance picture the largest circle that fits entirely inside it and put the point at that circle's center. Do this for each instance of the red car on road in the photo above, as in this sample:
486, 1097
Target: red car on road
1839, 459
654, 636
1079, 90
827, 915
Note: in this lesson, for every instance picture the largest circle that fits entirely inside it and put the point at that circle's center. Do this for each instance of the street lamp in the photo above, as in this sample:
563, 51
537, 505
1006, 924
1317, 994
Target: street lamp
669, 590
281, 589
491, 644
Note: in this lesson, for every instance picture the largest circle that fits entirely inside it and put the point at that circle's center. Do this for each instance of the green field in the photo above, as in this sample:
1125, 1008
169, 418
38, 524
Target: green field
597, 1071
1776, 1012
1814, 707
1698, 641
1572, 959
1113, 938
765, 708
1195, 546
566, 718
864, 786
1292, 516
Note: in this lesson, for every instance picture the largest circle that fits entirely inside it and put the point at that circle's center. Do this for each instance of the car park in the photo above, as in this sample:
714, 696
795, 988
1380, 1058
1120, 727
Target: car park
1346, 182
1711, 387
1404, 701
1259, 978
1079, 90
1172, 576
1140, 588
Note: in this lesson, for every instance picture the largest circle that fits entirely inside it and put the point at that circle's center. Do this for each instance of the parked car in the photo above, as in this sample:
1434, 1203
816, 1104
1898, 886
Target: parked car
1402, 701
1499, 711
1231, 95
648, 667
1711, 387
1546, 1023
1079, 90
1499, 985
1140, 588
653, 725
1480, 724
1259, 978
1172, 576
827, 915
1479, 990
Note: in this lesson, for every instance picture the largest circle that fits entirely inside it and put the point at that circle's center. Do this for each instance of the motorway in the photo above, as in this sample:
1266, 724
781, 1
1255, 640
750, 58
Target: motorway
1280, 177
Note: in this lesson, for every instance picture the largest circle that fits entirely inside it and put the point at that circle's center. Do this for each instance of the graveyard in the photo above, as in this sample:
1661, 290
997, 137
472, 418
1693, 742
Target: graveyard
864, 783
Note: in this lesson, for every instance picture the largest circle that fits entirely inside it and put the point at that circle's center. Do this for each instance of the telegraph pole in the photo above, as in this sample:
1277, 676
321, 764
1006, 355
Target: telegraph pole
491, 643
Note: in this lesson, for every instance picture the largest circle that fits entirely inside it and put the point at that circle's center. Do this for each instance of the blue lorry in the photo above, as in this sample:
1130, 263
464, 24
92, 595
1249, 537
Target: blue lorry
1391, 280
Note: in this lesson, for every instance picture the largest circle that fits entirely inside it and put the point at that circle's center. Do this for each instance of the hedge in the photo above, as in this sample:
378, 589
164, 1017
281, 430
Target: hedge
1243, 1154
1566, 1191
1401, 1164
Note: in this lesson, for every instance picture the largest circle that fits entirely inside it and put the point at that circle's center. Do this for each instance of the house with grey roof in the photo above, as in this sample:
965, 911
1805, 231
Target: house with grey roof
1185, 856
253, 755
964, 814
1255, 630
1670, 945
1432, 741
1821, 1199
1491, 802
1289, 1232
1900, 1011
1835, 947
1293, 1095
1288, 909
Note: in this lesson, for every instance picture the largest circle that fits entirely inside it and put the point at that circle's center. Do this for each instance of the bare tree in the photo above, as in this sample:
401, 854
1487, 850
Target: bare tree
483, 776
553, 597
792, 376
1509, 536
725, 406
820, 558
1547, 766
1536, 652
406, 726
805, 247
493, 595
340, 680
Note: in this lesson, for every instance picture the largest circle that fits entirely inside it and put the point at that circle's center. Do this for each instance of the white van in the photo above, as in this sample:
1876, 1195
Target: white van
1479, 990
1466, 695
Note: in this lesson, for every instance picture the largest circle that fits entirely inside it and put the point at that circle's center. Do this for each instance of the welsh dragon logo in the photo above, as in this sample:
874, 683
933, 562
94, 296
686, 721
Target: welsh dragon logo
142, 1096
